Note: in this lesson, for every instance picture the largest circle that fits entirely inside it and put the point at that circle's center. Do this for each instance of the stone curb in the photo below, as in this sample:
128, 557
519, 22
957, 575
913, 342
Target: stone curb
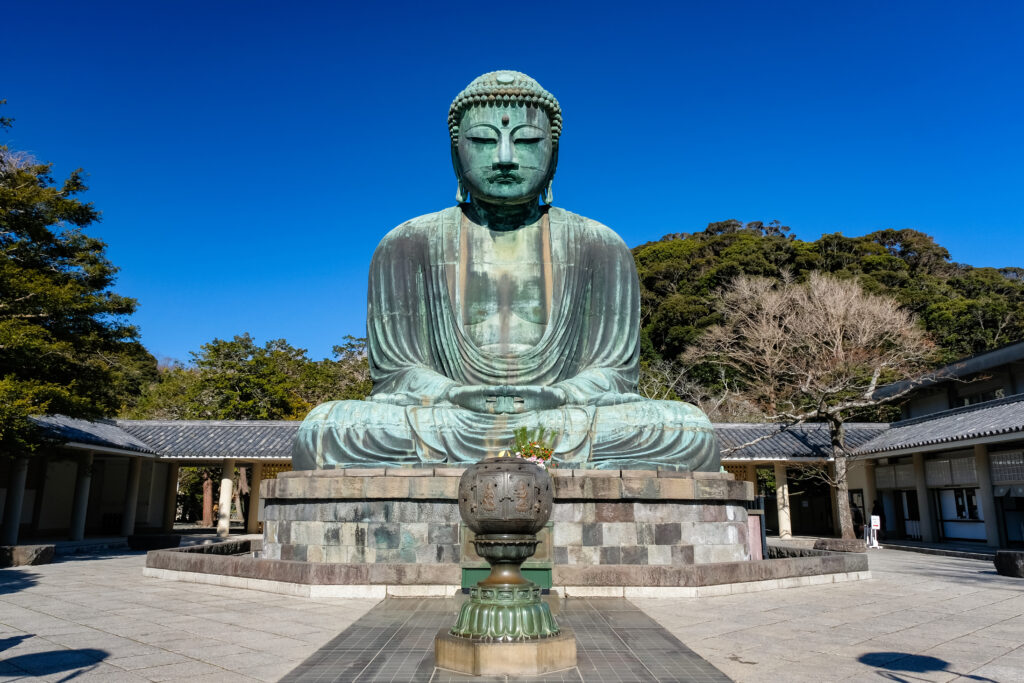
707, 574
25, 555
962, 554
229, 559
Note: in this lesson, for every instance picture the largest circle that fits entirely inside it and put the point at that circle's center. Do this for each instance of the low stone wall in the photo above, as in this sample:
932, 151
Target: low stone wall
600, 517
232, 564
780, 552
22, 555
378, 532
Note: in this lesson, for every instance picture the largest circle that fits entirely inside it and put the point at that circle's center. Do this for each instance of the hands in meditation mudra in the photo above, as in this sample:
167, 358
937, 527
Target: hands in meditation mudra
503, 312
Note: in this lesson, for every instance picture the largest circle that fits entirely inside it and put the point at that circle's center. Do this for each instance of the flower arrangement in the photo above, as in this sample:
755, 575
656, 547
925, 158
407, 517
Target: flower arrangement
534, 445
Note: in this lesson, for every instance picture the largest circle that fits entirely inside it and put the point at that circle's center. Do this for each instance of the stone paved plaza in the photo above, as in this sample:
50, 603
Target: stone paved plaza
920, 618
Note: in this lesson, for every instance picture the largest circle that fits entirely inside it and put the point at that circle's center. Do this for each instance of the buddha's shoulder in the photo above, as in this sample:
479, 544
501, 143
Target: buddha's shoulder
420, 228
590, 229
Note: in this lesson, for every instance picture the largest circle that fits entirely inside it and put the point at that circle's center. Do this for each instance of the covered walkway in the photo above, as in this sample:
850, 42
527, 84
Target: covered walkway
119, 477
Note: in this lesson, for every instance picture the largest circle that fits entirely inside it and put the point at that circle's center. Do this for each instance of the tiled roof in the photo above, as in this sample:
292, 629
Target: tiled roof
992, 418
102, 433
269, 439
272, 440
805, 440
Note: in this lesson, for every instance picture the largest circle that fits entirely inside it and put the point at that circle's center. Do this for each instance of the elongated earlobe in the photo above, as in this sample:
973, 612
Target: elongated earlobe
460, 192
549, 194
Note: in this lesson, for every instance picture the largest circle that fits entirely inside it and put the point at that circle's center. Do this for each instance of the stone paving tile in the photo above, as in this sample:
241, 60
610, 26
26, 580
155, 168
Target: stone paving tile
941, 617
167, 672
616, 643
101, 620
158, 658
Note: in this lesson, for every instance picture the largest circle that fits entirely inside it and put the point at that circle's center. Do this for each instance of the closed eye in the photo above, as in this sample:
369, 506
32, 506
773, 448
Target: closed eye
483, 141
528, 141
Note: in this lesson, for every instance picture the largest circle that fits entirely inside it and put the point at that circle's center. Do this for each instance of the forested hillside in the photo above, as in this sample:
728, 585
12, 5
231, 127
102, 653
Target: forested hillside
966, 310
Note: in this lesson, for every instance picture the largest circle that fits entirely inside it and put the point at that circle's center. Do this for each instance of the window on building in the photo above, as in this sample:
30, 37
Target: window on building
982, 396
966, 503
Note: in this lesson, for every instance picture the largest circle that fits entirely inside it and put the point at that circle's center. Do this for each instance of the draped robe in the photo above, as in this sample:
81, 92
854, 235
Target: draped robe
419, 348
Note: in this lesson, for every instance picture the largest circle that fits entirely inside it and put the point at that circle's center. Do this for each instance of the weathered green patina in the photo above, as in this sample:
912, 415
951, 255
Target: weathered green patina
503, 312
505, 501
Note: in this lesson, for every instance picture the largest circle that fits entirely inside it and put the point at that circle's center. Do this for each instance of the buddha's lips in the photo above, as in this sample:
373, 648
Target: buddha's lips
505, 178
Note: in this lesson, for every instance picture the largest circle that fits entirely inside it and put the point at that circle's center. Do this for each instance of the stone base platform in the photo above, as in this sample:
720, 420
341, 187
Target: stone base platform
373, 533
521, 658
600, 517
232, 564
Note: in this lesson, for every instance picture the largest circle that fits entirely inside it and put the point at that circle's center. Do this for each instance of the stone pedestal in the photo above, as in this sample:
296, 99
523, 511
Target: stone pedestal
521, 658
602, 518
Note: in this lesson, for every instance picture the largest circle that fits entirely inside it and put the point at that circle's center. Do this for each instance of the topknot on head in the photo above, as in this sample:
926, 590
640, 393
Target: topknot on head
503, 88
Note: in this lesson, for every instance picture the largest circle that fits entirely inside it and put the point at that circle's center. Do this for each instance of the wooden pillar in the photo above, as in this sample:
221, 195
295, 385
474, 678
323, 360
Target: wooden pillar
207, 498
80, 506
131, 497
14, 501
252, 523
988, 500
924, 505
782, 500
227, 476
170, 497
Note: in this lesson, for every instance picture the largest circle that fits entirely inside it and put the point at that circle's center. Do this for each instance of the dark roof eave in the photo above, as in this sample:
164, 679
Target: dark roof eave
967, 366
966, 441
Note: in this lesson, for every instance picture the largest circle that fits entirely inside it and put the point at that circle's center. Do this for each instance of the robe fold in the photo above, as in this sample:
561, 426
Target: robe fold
418, 349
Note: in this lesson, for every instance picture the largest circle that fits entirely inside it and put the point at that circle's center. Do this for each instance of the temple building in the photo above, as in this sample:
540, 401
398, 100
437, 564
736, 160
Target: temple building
953, 469
118, 477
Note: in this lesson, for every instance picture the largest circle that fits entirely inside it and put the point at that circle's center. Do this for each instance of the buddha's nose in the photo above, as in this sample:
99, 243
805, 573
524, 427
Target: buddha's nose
506, 155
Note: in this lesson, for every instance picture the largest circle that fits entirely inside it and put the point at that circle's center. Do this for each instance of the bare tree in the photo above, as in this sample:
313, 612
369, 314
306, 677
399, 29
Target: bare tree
670, 380
814, 351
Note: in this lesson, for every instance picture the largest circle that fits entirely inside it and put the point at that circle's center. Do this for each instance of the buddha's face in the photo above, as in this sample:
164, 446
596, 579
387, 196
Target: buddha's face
505, 153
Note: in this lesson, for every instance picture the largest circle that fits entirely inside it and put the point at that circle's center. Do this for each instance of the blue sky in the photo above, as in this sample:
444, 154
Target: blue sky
248, 156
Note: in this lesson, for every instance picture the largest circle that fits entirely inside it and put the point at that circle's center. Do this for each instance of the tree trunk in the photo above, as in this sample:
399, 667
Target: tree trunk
835, 428
207, 499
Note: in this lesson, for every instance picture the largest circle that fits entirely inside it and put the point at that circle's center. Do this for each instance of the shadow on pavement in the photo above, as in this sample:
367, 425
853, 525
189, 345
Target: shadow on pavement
8, 643
893, 662
75, 662
14, 580
105, 554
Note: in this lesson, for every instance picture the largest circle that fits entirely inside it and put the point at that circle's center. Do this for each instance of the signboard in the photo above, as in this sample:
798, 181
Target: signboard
876, 522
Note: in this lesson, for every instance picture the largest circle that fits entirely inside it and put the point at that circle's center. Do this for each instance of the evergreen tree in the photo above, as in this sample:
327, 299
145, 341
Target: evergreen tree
238, 379
66, 346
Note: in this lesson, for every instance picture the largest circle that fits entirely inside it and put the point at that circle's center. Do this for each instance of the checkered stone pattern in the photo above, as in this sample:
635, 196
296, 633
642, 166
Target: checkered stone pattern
654, 533
406, 516
615, 643
363, 532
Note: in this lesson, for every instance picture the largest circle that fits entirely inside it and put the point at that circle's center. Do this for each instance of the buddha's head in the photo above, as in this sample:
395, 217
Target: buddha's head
504, 128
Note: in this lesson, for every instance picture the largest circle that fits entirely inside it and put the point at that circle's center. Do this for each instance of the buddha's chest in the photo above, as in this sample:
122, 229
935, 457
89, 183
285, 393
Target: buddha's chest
505, 289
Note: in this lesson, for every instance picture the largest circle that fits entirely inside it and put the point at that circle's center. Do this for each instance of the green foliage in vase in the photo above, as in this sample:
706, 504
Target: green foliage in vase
66, 345
535, 444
